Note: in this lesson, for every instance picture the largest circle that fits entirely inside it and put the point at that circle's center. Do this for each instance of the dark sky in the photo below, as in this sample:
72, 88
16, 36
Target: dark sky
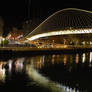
16, 11
39, 7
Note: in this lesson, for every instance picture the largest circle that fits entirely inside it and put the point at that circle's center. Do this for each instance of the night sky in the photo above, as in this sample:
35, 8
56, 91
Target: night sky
14, 12
39, 8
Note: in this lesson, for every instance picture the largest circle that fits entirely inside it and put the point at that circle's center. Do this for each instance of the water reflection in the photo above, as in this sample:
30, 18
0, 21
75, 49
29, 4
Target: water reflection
68, 60
45, 82
19, 64
57, 72
90, 57
2, 71
77, 58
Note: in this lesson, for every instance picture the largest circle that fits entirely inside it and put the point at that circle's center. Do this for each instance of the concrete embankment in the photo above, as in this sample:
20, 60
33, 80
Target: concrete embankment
29, 50
68, 48
44, 49
10, 52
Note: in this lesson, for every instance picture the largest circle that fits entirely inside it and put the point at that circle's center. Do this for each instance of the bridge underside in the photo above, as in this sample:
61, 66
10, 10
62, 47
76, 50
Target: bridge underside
68, 37
75, 39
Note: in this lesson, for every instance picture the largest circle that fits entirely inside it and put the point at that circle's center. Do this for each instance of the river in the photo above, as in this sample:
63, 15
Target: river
47, 73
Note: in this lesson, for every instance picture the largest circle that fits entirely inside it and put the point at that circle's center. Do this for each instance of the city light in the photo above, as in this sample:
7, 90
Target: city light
3, 39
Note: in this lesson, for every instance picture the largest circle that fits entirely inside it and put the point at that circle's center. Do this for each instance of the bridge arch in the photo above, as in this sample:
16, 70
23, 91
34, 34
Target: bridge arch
70, 21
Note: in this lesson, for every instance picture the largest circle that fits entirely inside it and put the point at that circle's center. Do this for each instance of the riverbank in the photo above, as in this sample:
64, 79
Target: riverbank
65, 49
10, 52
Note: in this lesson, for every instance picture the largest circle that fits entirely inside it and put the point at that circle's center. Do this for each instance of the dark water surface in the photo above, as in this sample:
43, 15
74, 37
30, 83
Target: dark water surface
47, 73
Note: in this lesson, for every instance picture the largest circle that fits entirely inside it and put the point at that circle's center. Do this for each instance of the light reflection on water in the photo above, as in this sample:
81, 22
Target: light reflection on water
2, 71
34, 67
45, 82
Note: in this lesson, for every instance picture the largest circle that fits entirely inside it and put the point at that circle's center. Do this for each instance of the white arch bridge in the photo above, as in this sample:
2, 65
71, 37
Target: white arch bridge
64, 22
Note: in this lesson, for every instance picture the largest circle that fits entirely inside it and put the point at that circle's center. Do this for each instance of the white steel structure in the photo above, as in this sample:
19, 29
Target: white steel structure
64, 22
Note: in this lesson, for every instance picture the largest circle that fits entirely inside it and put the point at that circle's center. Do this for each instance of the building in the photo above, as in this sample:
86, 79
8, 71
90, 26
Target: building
14, 34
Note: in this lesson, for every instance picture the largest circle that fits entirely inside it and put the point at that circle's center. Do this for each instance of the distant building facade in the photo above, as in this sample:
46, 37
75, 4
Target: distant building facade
14, 34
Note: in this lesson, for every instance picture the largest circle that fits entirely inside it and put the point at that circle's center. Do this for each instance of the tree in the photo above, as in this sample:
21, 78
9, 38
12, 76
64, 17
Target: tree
4, 42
